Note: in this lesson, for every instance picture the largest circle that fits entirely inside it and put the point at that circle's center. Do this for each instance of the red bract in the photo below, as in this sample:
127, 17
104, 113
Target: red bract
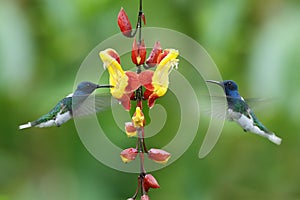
128, 155
159, 155
156, 51
124, 23
162, 55
138, 52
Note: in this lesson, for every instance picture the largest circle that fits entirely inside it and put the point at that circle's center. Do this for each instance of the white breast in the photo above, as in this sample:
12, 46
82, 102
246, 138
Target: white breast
62, 118
247, 124
46, 124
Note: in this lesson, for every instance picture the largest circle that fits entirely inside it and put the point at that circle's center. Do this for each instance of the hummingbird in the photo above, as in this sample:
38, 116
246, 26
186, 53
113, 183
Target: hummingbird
239, 111
65, 108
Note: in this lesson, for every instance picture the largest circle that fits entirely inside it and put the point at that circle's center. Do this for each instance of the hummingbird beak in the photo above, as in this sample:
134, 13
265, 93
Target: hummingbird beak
105, 86
216, 82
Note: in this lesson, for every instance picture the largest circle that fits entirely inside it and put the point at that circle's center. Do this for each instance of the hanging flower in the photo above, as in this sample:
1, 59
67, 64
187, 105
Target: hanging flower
124, 82
157, 82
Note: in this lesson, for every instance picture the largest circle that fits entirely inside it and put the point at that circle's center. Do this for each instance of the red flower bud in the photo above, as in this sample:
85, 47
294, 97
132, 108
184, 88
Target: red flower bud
156, 51
128, 155
138, 52
124, 23
159, 155
145, 197
150, 181
130, 129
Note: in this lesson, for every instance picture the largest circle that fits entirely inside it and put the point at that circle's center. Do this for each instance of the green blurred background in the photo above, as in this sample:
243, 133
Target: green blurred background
42, 44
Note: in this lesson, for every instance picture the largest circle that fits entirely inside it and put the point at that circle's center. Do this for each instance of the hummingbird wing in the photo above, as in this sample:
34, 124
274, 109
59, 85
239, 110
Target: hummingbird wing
93, 104
218, 103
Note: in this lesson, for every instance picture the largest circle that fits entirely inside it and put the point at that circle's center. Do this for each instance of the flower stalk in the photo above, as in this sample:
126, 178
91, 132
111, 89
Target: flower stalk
142, 85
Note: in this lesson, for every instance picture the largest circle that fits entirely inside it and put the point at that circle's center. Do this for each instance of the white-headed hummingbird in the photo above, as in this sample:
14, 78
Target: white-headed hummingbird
65, 109
239, 111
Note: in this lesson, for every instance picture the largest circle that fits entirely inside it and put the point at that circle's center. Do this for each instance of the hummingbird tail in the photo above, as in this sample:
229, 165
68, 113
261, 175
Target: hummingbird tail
273, 138
28, 125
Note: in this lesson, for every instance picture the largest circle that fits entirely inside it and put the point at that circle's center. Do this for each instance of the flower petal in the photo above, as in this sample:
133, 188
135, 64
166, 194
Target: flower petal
153, 57
117, 76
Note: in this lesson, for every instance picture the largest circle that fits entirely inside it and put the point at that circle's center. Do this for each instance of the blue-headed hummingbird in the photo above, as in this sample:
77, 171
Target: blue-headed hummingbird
239, 111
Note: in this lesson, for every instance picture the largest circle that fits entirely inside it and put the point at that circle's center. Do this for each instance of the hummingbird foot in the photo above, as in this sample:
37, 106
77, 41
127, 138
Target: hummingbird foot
23, 126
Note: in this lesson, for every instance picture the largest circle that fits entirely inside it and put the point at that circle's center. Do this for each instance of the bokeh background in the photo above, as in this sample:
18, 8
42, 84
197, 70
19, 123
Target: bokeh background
42, 44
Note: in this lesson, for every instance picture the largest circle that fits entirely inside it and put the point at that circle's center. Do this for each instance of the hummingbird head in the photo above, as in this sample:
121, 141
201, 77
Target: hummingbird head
229, 86
85, 88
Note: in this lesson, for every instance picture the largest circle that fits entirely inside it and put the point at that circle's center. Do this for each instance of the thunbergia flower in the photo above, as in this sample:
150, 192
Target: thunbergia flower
126, 82
149, 85
157, 86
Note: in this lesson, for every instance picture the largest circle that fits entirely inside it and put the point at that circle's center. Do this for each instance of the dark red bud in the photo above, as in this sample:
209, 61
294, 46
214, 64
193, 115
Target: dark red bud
156, 51
138, 52
124, 23
150, 181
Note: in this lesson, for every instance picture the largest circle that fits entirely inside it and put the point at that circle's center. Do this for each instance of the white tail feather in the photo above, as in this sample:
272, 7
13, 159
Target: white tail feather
273, 138
28, 125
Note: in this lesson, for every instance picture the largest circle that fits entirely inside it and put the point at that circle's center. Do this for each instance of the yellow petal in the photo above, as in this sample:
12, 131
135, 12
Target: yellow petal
160, 79
117, 76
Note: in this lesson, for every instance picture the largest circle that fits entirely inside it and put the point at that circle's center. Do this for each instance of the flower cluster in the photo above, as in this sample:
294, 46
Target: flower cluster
127, 82
138, 86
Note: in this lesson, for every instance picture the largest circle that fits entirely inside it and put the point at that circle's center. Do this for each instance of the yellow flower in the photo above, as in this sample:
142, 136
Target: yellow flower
158, 85
124, 82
